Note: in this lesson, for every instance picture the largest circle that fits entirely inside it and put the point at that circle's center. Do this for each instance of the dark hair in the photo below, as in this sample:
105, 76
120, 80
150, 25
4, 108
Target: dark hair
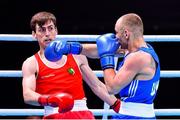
41, 18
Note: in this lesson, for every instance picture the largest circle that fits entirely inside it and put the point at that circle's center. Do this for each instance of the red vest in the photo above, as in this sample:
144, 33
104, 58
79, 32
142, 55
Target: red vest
64, 79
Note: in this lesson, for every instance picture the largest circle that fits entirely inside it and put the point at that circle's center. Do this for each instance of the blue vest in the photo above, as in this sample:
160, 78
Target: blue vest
142, 91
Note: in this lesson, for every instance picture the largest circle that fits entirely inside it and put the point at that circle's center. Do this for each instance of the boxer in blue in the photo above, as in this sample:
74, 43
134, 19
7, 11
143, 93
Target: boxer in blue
138, 75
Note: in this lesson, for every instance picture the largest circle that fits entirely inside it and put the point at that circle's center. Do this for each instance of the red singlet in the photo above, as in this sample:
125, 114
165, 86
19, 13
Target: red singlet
64, 79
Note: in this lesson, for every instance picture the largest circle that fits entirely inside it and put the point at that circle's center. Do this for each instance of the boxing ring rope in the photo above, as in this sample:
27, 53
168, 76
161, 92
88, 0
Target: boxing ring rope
18, 73
82, 38
87, 38
96, 112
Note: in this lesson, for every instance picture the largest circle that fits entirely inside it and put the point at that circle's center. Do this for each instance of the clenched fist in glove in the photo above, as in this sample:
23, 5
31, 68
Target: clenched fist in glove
56, 49
107, 46
64, 101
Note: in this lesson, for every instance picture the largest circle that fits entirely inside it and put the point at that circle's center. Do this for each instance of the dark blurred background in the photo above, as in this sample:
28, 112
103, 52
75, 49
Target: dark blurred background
88, 17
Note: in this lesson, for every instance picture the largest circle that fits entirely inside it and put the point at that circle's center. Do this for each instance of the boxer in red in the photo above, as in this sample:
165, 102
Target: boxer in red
58, 85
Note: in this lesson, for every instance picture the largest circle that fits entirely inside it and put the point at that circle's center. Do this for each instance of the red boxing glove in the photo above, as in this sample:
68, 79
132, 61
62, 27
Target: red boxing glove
116, 106
64, 101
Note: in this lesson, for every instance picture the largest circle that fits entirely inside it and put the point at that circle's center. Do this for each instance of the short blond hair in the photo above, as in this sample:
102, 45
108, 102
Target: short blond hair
133, 22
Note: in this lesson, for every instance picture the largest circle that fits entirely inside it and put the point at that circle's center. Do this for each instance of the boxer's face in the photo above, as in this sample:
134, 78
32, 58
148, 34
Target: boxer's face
45, 33
121, 34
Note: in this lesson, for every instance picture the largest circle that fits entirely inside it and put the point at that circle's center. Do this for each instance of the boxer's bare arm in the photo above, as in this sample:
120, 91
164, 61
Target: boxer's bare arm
90, 50
29, 82
94, 83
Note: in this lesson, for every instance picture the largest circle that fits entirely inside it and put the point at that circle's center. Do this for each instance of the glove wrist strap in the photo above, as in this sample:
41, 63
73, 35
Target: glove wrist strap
43, 100
107, 62
74, 48
115, 104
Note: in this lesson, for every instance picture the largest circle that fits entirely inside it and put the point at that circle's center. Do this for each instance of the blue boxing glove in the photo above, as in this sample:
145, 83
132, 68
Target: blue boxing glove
56, 49
107, 45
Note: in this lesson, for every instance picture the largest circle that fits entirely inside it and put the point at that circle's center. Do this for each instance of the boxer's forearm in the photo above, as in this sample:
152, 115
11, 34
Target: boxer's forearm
90, 50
